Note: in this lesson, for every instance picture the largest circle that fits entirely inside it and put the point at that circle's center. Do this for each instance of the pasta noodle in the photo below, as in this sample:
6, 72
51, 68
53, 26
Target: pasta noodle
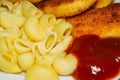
22, 46
33, 29
26, 60
41, 72
63, 29
36, 52
29, 9
5, 45
17, 9
69, 62
8, 20
24, 35
47, 60
62, 46
47, 21
48, 43
12, 34
7, 4
9, 64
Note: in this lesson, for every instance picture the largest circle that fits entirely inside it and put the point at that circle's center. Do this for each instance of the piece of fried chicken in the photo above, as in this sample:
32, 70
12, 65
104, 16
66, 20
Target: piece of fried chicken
104, 22
65, 8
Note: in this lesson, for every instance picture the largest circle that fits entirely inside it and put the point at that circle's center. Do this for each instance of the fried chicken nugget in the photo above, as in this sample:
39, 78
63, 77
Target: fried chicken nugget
32, 1
103, 3
104, 22
65, 8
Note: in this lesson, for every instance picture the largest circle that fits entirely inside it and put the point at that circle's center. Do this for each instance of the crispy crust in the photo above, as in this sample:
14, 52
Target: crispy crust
103, 3
64, 8
104, 22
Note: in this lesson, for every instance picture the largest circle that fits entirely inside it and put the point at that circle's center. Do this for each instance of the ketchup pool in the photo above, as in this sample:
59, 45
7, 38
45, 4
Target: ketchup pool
98, 58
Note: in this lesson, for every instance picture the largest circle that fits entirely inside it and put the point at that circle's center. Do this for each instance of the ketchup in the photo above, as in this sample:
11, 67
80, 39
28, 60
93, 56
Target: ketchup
98, 59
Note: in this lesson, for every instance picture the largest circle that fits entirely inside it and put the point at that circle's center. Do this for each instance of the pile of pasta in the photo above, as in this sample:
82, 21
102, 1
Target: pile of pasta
34, 42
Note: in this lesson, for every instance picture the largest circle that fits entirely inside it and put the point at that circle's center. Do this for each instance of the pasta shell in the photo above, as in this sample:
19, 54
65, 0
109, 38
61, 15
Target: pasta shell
48, 43
28, 9
7, 3
22, 46
63, 45
12, 34
33, 29
47, 21
26, 60
69, 62
41, 72
8, 20
5, 45
63, 29
8, 64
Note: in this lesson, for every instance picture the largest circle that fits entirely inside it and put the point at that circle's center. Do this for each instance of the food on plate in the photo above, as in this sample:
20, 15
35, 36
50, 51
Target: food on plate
8, 63
33, 29
26, 60
96, 43
41, 72
103, 22
31, 41
65, 8
69, 63
103, 3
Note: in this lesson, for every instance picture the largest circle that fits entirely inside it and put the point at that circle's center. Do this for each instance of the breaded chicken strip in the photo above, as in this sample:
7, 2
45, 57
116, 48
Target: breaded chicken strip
104, 22
64, 8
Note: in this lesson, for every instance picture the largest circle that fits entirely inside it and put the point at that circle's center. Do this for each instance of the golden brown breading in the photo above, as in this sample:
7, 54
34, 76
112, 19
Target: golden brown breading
32, 1
64, 8
103, 3
104, 22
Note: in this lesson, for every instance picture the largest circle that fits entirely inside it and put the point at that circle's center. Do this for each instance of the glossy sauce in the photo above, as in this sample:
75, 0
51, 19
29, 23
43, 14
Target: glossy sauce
98, 59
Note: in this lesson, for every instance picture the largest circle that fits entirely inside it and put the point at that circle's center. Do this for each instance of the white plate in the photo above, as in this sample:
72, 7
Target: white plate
5, 76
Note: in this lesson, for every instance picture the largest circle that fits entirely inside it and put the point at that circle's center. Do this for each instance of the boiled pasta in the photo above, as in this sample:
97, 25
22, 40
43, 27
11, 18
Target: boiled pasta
47, 21
62, 46
12, 34
63, 29
8, 20
69, 62
26, 60
28, 9
48, 60
36, 52
22, 46
5, 45
33, 29
41, 72
8, 63
17, 9
6, 3
48, 43
24, 35
34, 42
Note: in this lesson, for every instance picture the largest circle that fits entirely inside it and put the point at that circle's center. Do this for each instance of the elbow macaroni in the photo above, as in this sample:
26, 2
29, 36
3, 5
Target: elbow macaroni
33, 29
33, 42
47, 22
48, 43
22, 46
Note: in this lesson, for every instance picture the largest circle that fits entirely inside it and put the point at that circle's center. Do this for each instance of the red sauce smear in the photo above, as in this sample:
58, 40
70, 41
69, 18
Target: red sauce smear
98, 59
